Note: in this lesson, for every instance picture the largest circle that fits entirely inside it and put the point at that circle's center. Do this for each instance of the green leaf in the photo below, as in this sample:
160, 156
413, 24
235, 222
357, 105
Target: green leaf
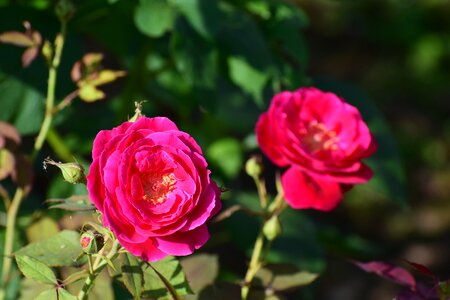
89, 93
154, 17
65, 295
132, 274
170, 269
73, 203
59, 250
283, 277
201, 270
34, 269
55, 294
203, 15
195, 58
250, 79
41, 229
227, 155
22, 105
30, 289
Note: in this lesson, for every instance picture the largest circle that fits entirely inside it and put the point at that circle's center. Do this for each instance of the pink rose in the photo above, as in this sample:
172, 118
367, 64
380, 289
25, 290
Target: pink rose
151, 183
322, 139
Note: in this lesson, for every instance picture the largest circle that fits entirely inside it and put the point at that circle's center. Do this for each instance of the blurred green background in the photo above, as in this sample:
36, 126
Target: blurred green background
213, 66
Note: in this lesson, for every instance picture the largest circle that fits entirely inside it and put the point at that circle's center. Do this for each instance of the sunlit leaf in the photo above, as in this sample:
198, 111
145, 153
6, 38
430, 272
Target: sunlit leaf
59, 250
227, 155
131, 269
106, 76
42, 229
35, 269
55, 294
7, 163
283, 277
250, 79
16, 38
171, 270
204, 15
73, 203
90, 93
30, 289
201, 270
154, 17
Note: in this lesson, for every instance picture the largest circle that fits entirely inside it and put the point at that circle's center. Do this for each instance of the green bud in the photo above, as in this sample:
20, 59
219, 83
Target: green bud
91, 242
47, 51
254, 167
64, 10
272, 228
72, 172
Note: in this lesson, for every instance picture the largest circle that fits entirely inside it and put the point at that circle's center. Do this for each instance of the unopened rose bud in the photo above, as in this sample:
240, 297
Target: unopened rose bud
254, 167
91, 242
64, 10
72, 172
272, 228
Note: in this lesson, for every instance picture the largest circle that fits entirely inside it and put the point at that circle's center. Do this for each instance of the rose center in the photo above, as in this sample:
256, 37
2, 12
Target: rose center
316, 137
157, 188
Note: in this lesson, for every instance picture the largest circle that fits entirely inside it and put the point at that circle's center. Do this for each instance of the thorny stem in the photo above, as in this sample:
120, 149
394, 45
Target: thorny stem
96, 269
19, 195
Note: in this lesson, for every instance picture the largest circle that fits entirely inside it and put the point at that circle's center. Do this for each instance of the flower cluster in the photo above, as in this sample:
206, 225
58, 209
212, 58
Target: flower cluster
322, 140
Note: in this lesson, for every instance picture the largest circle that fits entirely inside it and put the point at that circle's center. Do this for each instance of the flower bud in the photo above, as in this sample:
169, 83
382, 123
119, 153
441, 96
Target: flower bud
254, 167
91, 242
64, 10
272, 228
72, 172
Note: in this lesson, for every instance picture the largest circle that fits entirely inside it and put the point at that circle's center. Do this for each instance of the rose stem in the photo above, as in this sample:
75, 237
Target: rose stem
18, 197
96, 269
254, 265
276, 208
50, 101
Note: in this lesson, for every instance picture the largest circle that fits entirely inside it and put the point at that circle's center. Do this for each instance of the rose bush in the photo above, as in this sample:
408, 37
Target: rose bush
322, 139
151, 183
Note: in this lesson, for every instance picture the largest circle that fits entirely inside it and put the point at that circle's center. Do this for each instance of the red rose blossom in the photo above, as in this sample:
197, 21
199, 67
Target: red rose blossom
151, 183
322, 139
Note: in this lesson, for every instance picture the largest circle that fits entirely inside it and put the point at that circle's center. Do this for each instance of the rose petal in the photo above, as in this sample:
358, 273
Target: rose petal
183, 243
302, 191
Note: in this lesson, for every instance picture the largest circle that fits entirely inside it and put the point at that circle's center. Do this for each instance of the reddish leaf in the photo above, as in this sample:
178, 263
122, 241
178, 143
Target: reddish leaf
75, 73
16, 38
9, 132
421, 268
29, 55
390, 272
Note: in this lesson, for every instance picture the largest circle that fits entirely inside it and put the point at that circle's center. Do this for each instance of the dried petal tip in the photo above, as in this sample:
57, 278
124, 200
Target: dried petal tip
72, 172
137, 111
